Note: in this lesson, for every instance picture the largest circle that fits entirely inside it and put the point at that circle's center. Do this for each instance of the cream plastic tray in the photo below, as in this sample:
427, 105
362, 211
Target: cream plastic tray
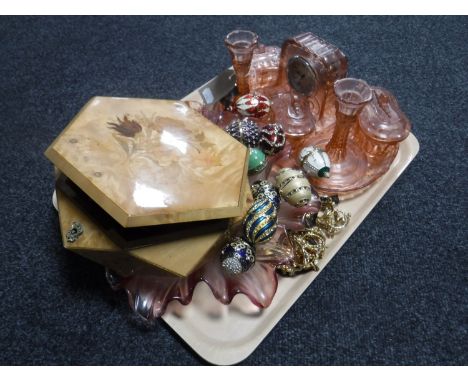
234, 336
231, 337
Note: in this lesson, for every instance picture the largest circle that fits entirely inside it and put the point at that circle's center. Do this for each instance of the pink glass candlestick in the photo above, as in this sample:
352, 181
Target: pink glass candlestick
241, 45
349, 163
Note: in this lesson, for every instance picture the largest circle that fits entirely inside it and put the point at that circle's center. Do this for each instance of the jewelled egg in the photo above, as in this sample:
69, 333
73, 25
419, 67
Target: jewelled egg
315, 162
294, 187
257, 160
253, 105
237, 256
245, 131
263, 188
272, 138
260, 221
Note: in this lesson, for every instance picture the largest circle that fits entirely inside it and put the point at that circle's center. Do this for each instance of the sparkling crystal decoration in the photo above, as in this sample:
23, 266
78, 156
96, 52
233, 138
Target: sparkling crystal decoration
74, 232
245, 131
237, 256
315, 162
272, 138
294, 187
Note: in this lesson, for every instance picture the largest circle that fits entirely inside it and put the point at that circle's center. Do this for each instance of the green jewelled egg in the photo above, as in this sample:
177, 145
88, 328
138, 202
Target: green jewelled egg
257, 160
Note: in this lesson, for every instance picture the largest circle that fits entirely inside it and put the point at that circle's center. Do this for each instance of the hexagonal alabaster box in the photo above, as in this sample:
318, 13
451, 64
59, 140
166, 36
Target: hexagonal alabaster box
150, 162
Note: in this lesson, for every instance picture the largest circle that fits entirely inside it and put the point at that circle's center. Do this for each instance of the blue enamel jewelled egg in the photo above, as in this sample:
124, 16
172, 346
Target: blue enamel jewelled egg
245, 131
260, 221
237, 257
263, 188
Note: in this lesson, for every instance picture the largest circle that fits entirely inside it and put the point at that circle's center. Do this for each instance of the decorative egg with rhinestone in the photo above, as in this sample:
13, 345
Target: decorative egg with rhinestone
294, 187
237, 256
253, 105
257, 160
245, 131
315, 162
263, 188
260, 221
272, 138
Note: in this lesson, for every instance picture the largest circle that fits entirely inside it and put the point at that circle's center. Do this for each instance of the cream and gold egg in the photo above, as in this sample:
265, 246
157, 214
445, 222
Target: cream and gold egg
294, 187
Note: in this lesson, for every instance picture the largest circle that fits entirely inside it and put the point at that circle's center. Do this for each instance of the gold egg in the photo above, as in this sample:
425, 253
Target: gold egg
294, 187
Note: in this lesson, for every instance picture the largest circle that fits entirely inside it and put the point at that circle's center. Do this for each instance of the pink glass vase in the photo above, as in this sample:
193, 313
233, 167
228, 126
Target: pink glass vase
241, 45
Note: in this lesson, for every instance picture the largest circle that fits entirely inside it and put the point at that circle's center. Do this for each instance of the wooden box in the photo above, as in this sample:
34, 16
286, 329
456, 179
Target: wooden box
151, 182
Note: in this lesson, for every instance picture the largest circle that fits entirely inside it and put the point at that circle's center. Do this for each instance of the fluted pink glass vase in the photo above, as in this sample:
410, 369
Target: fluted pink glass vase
348, 161
241, 45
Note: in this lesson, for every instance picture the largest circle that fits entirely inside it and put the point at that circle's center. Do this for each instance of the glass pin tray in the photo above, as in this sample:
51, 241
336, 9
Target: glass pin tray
233, 336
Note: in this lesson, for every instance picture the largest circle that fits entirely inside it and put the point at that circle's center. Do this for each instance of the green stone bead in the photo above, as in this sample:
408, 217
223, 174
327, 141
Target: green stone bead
257, 160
